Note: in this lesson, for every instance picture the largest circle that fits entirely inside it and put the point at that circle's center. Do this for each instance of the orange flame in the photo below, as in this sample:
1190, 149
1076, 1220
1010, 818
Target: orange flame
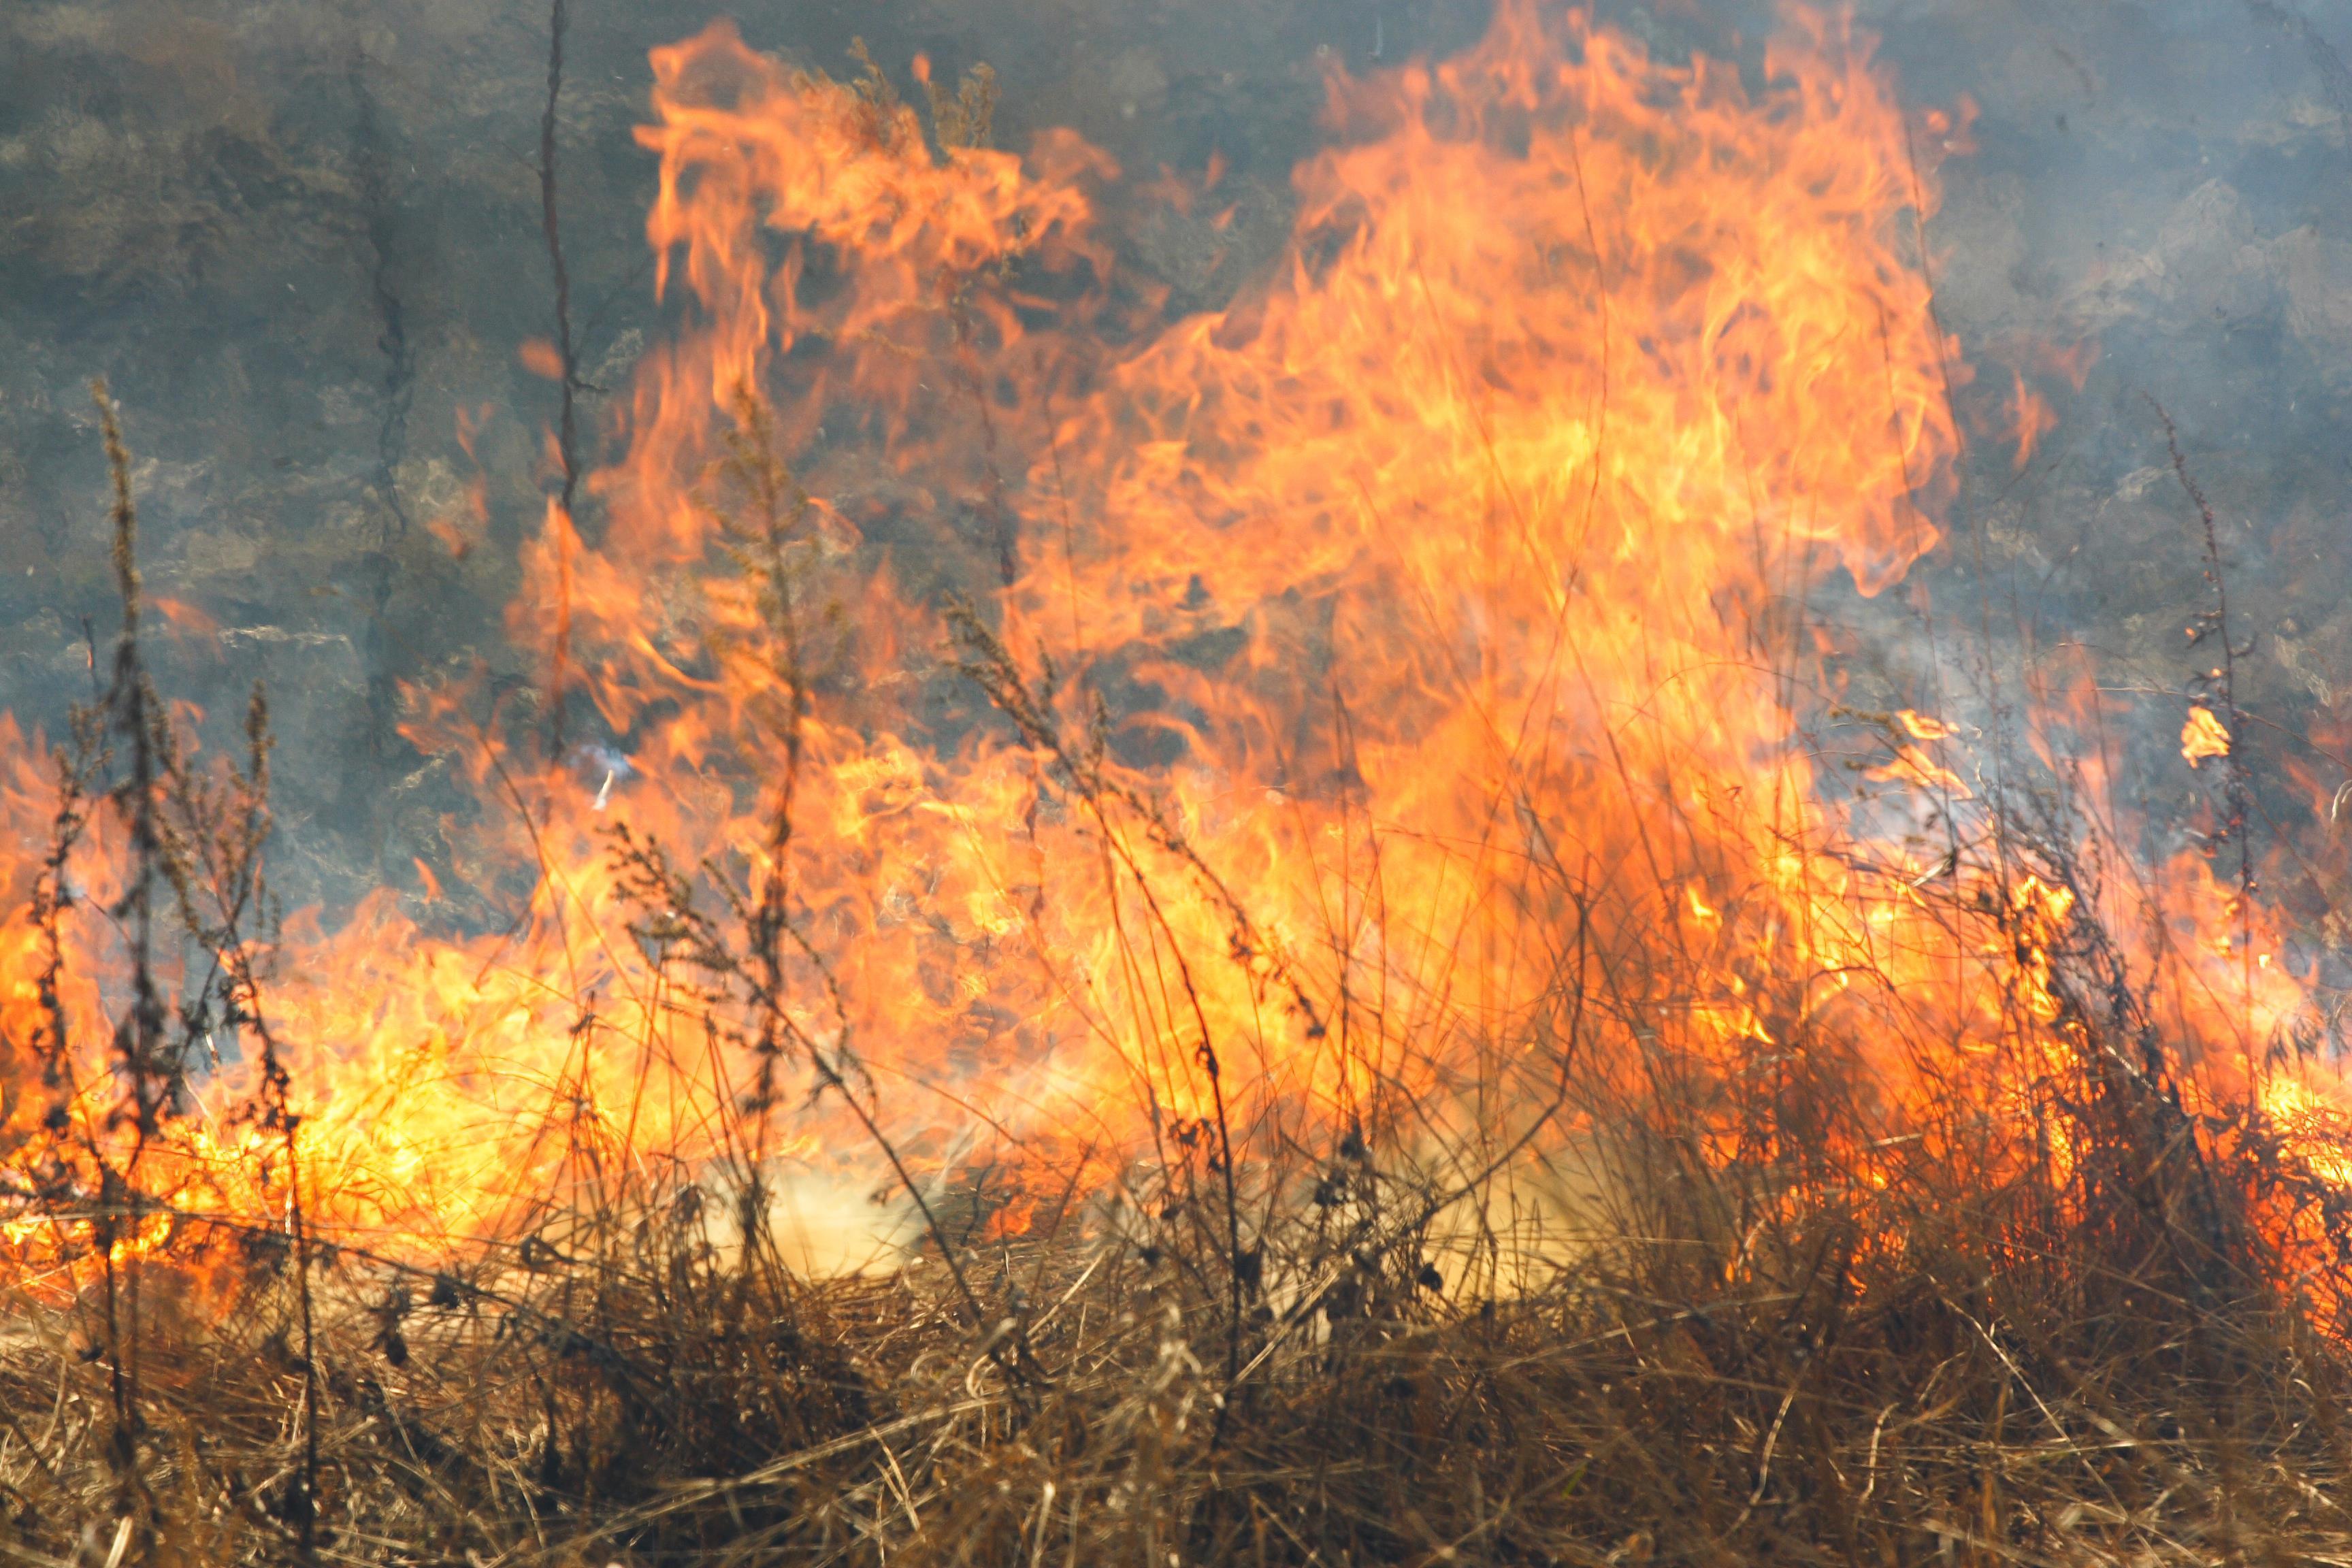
2202, 735
1435, 594
2035, 419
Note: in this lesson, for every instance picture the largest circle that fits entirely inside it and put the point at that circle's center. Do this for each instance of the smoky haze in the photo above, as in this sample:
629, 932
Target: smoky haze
303, 243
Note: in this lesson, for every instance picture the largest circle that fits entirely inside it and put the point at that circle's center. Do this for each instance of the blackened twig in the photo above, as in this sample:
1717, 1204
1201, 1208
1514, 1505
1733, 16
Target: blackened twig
567, 423
567, 434
379, 214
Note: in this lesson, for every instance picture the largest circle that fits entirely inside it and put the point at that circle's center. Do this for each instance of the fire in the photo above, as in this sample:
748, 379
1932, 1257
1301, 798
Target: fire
2202, 735
1377, 648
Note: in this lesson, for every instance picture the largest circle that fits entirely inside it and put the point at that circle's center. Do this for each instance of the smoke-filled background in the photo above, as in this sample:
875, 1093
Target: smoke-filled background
304, 244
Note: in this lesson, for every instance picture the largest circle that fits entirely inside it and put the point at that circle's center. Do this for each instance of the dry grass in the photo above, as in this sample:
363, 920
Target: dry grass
1701, 1395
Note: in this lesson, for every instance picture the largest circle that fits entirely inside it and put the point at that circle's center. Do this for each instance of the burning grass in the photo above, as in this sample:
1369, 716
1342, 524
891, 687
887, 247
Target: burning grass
704, 1414
1730, 1360
1698, 1308
1368, 1032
